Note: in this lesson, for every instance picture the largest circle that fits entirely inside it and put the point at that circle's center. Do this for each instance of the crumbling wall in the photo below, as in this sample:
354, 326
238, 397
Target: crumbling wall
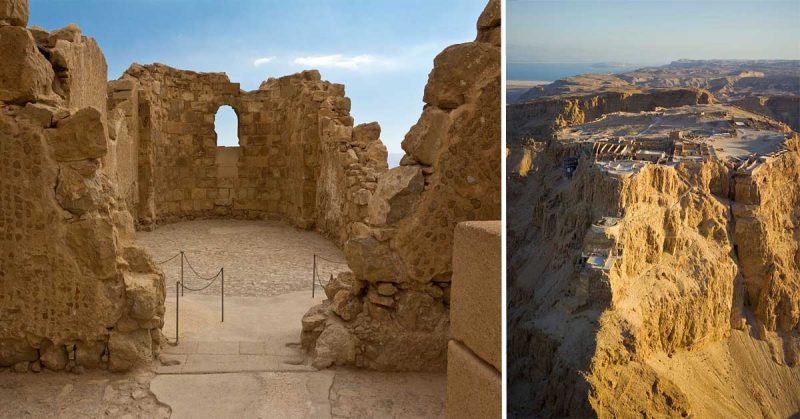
391, 311
74, 290
299, 158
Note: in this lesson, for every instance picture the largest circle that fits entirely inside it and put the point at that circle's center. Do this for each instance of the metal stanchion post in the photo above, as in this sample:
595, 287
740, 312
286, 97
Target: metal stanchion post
314, 276
177, 306
222, 292
182, 257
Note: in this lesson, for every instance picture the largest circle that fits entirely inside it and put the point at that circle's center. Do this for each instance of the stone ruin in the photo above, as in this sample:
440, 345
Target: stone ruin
86, 161
392, 311
75, 292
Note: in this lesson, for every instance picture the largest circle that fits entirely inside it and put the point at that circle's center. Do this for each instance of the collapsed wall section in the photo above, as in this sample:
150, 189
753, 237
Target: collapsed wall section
75, 292
392, 311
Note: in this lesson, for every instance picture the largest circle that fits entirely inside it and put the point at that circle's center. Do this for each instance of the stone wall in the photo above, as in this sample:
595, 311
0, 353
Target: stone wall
299, 159
392, 311
474, 354
74, 291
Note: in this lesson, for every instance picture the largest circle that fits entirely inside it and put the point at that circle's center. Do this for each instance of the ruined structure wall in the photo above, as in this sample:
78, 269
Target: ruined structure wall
299, 159
74, 290
391, 312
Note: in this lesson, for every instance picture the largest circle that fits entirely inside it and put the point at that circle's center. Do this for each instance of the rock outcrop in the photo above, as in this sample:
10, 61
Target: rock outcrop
670, 290
75, 292
394, 304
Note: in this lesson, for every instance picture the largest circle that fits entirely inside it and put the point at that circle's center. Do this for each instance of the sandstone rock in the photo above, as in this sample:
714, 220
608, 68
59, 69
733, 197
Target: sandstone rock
455, 71
314, 318
40, 114
25, 75
20, 367
346, 305
371, 260
76, 192
365, 134
377, 156
128, 349
69, 33
82, 135
335, 345
92, 242
385, 288
53, 357
14, 12
14, 351
425, 138
396, 196
342, 281
89, 354
489, 24
375, 298
145, 294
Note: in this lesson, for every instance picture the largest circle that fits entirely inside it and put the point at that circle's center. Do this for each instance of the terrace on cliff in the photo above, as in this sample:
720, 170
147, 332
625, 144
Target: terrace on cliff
621, 143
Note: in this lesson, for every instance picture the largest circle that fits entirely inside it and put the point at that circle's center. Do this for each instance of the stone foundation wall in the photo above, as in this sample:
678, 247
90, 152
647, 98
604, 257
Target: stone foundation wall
74, 291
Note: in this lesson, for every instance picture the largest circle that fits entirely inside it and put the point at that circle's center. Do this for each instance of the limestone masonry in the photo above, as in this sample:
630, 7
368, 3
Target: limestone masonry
85, 161
392, 311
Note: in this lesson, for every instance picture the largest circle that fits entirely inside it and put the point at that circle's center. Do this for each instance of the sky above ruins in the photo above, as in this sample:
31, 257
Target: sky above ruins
381, 50
652, 32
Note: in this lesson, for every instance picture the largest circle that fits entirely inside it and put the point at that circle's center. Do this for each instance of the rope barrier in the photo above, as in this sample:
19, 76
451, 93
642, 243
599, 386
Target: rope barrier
328, 260
195, 272
180, 287
165, 261
206, 286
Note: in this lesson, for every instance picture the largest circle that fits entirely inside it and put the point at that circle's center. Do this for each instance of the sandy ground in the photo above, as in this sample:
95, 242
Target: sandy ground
261, 258
250, 365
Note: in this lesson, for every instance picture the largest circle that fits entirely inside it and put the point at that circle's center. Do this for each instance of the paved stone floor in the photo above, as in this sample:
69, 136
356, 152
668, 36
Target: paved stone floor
250, 365
261, 258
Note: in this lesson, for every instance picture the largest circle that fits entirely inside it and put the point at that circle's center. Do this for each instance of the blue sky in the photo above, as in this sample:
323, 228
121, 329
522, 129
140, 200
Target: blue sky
572, 31
381, 50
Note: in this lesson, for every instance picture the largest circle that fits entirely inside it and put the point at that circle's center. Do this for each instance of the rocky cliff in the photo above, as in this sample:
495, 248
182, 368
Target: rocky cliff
75, 292
391, 311
668, 291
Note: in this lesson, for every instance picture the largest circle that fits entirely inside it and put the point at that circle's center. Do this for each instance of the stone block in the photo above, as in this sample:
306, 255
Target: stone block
475, 305
25, 75
14, 12
474, 389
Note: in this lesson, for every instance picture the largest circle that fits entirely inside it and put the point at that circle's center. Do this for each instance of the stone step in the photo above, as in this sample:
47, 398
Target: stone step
230, 356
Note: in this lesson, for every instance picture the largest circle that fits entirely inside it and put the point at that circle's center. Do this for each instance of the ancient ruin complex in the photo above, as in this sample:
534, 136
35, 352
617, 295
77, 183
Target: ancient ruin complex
654, 266
86, 161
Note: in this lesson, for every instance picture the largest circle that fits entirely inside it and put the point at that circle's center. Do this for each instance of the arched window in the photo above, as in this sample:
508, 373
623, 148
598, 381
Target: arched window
226, 124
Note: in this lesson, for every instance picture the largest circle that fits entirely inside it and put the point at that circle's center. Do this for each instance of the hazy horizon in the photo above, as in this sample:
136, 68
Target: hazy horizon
612, 31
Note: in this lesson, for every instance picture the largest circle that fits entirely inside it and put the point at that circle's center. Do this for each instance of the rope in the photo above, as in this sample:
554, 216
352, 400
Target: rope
195, 272
163, 262
206, 286
328, 260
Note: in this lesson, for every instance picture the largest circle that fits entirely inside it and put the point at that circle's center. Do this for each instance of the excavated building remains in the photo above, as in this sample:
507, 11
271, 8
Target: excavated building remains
392, 311
75, 292
86, 161
656, 274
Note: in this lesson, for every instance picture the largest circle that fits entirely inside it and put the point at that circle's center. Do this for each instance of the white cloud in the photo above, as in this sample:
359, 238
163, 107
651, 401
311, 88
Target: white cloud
354, 62
263, 60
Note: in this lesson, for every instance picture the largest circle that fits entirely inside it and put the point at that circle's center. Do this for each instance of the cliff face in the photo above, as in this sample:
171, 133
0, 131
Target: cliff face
667, 291
783, 108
